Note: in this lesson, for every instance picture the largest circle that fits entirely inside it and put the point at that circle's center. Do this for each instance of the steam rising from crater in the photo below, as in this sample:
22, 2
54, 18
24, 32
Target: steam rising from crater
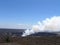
48, 25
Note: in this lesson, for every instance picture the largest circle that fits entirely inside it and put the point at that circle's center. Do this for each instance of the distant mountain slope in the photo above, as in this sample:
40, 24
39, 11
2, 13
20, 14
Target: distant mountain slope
19, 32
43, 34
11, 30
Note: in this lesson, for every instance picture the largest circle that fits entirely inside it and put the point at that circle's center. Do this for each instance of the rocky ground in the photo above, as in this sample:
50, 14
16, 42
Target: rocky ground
9, 44
33, 41
38, 40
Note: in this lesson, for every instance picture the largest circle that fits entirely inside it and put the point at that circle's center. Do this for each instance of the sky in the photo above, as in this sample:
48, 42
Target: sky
14, 12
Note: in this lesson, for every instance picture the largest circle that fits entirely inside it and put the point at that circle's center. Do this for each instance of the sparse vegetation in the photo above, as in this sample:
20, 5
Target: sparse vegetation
37, 40
7, 39
32, 40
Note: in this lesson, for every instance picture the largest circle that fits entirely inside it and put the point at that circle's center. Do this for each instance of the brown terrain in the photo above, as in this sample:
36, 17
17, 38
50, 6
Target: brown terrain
7, 38
30, 41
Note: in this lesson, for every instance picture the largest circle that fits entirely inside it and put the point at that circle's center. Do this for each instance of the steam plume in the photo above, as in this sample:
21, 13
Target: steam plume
48, 25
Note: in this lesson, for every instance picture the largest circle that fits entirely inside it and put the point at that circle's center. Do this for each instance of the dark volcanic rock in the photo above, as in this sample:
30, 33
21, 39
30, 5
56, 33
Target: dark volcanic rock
43, 34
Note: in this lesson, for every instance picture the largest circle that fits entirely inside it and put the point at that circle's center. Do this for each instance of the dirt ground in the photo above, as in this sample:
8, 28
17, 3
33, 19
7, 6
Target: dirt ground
38, 40
33, 41
9, 44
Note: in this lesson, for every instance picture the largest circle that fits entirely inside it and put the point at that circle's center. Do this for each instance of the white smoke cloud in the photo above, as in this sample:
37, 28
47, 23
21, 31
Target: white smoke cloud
48, 25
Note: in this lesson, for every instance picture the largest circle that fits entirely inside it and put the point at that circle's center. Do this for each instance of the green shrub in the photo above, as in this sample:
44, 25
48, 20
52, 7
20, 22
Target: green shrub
7, 39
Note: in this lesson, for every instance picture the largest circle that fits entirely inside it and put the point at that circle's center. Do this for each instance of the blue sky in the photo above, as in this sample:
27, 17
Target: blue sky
27, 11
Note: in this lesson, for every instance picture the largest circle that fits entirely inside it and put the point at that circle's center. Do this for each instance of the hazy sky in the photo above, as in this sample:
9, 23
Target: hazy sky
27, 11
